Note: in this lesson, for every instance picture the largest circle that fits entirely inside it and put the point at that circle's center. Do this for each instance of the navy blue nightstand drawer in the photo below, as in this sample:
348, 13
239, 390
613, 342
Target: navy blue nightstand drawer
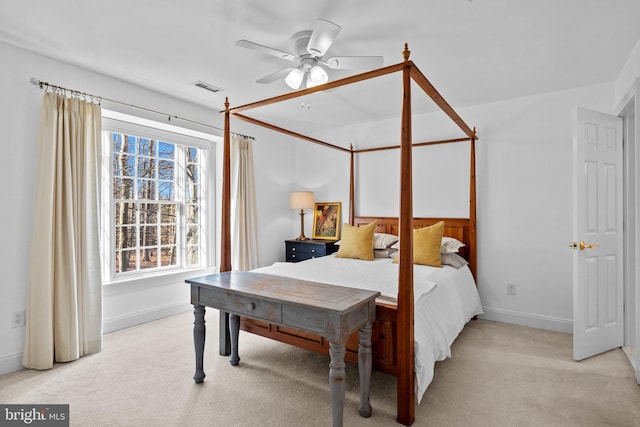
300, 250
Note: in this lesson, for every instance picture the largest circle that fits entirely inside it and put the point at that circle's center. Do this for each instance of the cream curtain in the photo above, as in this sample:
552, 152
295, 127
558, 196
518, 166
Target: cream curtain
244, 238
64, 311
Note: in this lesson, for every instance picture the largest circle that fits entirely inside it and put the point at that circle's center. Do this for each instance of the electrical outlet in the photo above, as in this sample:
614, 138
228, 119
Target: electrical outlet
511, 289
17, 319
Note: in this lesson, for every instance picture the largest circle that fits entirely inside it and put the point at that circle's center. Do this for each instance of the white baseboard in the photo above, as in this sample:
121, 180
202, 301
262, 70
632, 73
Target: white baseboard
140, 317
525, 319
10, 363
13, 362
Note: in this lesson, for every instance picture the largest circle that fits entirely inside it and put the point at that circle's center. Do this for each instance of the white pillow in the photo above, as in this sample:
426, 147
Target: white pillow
453, 260
450, 245
383, 240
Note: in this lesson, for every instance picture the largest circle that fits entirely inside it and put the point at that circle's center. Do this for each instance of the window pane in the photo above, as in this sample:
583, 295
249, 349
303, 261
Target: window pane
122, 188
193, 214
168, 213
168, 234
166, 150
148, 258
193, 235
146, 147
192, 174
125, 237
148, 235
148, 213
126, 261
193, 255
193, 193
146, 167
168, 256
166, 170
123, 144
123, 164
166, 190
191, 154
125, 213
146, 189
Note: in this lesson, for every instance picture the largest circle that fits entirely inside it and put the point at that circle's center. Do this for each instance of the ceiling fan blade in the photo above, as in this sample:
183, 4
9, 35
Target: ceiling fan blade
265, 49
275, 76
322, 37
354, 62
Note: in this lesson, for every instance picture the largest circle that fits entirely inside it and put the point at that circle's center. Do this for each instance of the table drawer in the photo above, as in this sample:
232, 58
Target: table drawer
242, 305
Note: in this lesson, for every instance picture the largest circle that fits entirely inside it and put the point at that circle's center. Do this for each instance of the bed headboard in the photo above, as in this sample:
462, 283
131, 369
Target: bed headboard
459, 228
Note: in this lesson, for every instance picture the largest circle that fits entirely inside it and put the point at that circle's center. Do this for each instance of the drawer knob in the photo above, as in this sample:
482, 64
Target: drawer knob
313, 250
293, 249
293, 256
251, 306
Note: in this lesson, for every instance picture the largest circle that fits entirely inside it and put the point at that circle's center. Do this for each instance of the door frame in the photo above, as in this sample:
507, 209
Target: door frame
629, 110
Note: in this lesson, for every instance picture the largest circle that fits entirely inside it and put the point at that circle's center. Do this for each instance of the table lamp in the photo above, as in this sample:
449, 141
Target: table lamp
301, 200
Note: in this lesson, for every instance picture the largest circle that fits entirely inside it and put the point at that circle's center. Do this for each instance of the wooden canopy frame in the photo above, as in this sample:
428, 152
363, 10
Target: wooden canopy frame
405, 300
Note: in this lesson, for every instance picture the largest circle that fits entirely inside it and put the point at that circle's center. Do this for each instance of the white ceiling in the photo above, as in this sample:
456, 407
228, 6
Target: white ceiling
474, 52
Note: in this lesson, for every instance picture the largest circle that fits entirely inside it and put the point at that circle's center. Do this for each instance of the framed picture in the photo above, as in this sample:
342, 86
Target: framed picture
326, 221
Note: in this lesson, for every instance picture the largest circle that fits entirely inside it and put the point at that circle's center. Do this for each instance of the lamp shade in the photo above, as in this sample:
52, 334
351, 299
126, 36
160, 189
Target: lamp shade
317, 76
301, 200
294, 78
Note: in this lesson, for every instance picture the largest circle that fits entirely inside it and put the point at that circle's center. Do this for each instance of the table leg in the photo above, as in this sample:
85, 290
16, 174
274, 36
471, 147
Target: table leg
199, 333
337, 380
234, 330
224, 342
364, 369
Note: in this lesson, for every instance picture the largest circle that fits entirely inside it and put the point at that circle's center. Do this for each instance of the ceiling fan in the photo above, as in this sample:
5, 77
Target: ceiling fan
310, 49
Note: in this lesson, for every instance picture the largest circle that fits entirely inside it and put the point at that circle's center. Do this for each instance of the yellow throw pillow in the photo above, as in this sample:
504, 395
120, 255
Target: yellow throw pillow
426, 245
357, 242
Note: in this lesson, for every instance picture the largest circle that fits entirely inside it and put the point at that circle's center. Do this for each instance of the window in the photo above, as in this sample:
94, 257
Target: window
158, 198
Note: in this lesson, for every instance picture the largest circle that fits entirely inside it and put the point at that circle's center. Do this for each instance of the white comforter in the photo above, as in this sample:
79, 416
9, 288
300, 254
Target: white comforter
446, 299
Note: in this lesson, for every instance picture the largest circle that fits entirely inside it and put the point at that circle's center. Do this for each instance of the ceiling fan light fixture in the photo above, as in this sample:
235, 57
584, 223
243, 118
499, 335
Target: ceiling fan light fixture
294, 78
318, 75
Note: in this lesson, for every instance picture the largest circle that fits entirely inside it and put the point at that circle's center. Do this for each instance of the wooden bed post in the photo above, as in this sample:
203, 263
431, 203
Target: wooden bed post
406, 372
225, 229
225, 237
473, 256
351, 187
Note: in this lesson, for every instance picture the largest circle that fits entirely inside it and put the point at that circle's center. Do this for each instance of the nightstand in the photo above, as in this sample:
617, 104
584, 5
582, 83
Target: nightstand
299, 250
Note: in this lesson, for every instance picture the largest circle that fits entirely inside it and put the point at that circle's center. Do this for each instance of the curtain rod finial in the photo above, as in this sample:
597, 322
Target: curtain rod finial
36, 82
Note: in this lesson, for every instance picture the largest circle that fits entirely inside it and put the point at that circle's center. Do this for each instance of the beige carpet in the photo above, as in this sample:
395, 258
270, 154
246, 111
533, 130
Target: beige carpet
500, 375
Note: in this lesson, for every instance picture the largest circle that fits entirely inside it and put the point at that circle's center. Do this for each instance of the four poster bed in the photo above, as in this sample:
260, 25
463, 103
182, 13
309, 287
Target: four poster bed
393, 333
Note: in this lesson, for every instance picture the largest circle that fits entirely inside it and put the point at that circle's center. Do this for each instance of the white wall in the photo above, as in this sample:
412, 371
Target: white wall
624, 84
524, 195
129, 303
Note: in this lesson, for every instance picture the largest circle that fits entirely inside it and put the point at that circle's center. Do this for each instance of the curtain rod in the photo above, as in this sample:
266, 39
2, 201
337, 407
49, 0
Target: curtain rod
46, 85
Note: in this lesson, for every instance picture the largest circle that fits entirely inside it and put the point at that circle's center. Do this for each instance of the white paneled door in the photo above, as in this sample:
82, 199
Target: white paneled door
597, 232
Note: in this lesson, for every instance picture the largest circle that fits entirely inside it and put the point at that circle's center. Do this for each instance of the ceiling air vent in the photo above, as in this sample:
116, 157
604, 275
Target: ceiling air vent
206, 86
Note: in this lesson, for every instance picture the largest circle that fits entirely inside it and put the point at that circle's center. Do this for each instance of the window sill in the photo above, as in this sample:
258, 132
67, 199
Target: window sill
164, 276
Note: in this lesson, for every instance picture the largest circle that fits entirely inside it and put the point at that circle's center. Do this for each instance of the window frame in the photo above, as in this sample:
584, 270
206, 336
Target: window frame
126, 124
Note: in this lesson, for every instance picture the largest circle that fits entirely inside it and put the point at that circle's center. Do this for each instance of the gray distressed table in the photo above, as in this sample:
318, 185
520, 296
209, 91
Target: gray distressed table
334, 312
